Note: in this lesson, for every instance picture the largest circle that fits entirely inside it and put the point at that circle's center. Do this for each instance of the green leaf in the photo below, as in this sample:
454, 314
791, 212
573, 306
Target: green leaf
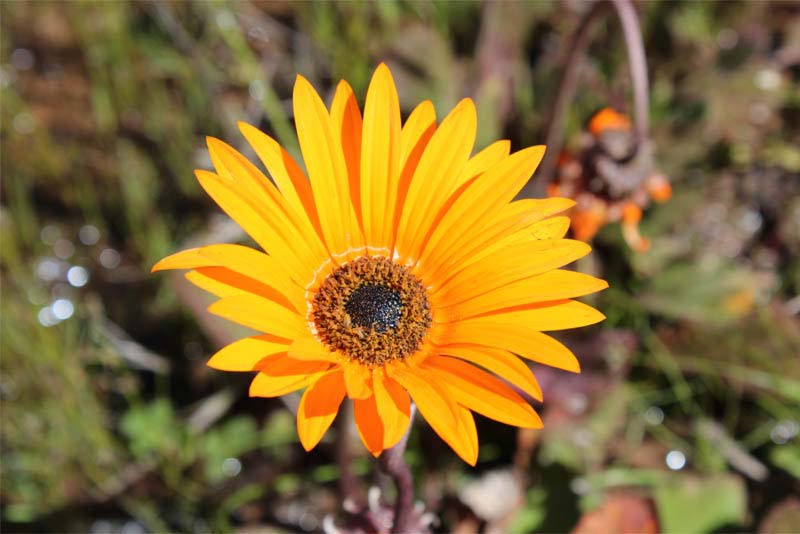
689, 504
787, 457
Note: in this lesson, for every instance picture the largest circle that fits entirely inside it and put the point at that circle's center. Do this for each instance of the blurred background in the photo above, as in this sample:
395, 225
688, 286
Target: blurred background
686, 416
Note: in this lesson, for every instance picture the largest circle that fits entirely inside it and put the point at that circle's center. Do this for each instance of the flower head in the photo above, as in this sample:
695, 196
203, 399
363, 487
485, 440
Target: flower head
395, 268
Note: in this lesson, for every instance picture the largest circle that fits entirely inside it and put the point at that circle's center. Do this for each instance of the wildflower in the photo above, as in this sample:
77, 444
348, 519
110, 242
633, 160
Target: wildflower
399, 269
611, 180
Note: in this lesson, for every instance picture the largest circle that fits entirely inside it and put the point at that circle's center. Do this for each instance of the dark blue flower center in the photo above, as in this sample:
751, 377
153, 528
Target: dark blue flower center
374, 306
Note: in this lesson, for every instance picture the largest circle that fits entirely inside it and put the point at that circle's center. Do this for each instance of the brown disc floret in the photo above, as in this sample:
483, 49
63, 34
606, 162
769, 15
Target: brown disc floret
371, 310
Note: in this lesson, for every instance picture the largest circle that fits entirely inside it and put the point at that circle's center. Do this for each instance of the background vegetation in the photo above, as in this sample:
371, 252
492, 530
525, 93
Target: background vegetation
686, 416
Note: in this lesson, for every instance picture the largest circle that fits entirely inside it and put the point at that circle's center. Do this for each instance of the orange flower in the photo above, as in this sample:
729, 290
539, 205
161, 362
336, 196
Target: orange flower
609, 119
394, 271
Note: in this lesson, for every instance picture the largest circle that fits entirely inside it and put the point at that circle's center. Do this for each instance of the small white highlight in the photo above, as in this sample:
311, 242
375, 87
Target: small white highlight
89, 234
109, 258
46, 317
231, 467
783, 432
654, 416
77, 276
63, 309
48, 269
675, 460
64, 249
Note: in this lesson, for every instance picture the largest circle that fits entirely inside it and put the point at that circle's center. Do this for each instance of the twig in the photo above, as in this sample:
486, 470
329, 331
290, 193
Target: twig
637, 64
349, 486
554, 138
392, 462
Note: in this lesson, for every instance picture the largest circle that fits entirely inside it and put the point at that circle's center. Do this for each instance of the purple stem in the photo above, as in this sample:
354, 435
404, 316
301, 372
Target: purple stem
392, 462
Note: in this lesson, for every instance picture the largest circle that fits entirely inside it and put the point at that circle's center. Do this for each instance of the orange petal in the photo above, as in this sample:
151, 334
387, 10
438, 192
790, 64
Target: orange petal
285, 365
347, 122
482, 392
501, 362
258, 266
328, 393
393, 406
464, 439
436, 177
431, 399
419, 126
318, 408
239, 284
185, 259
414, 138
369, 424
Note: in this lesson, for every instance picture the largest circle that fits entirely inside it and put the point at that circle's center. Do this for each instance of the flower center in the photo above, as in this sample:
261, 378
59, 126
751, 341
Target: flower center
374, 306
371, 310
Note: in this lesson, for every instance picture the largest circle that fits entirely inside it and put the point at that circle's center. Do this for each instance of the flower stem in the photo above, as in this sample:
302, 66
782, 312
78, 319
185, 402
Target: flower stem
392, 462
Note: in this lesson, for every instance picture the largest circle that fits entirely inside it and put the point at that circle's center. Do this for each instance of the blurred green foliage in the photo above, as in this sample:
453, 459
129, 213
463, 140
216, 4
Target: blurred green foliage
109, 415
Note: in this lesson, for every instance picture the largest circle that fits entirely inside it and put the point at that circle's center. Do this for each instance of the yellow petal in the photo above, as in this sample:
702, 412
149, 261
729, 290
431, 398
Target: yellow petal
482, 197
517, 338
306, 347
258, 266
288, 176
260, 314
481, 392
433, 401
421, 124
268, 202
486, 159
276, 386
256, 224
244, 354
318, 408
327, 170
500, 362
508, 220
542, 316
414, 139
230, 283
436, 177
356, 380
380, 158
553, 285
185, 259
503, 266
213, 286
